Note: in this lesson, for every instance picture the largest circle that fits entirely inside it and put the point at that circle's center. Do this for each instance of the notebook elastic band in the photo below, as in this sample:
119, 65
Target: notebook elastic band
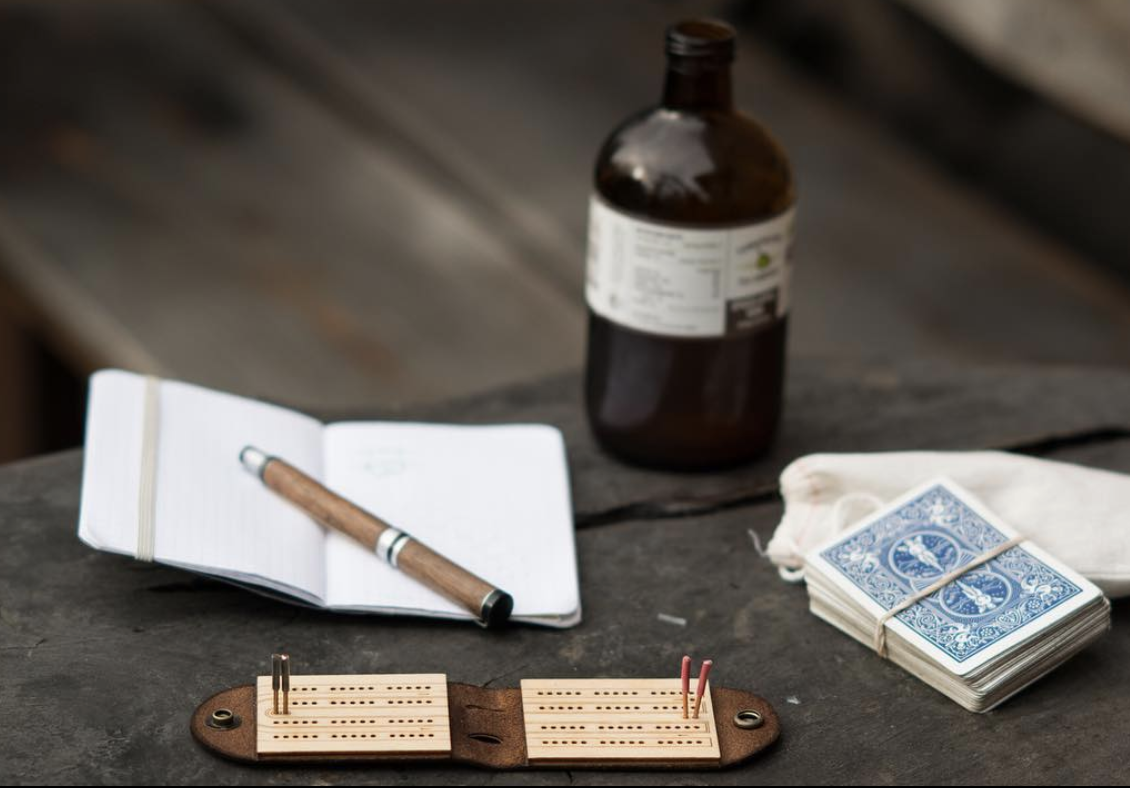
146, 503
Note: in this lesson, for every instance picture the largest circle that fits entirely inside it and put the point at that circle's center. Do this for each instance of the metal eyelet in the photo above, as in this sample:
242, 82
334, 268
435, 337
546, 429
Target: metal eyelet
223, 719
748, 719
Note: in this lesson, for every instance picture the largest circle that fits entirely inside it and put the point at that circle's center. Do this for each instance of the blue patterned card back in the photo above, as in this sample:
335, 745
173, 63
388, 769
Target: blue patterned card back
903, 551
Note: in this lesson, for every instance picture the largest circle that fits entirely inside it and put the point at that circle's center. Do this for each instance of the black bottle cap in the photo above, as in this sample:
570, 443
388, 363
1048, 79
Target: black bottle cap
702, 38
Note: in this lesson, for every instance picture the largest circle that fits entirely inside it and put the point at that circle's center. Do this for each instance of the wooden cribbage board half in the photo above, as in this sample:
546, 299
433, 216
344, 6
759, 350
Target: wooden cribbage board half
355, 714
555, 723
577, 720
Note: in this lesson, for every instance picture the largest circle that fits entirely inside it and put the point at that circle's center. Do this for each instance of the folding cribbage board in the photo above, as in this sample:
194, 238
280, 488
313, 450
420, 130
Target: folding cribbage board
575, 723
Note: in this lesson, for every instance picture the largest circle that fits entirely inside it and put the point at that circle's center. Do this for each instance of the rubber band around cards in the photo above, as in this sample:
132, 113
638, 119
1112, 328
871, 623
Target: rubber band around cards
880, 641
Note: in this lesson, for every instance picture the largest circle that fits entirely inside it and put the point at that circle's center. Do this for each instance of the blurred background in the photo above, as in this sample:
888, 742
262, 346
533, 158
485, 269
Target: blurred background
348, 205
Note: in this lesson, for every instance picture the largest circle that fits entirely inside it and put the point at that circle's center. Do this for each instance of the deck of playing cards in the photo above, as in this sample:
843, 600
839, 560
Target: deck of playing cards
989, 631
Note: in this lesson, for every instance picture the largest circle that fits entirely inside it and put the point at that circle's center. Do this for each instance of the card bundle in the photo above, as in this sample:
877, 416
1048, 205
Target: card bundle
938, 585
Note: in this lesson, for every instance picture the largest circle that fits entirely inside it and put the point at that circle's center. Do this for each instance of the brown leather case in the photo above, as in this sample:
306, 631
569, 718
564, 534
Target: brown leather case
487, 730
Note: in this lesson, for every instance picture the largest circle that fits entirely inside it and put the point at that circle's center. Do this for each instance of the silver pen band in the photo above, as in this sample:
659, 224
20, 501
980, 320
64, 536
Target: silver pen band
390, 543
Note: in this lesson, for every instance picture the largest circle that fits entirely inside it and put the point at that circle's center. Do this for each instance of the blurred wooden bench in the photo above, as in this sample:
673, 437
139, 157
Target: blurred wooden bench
350, 204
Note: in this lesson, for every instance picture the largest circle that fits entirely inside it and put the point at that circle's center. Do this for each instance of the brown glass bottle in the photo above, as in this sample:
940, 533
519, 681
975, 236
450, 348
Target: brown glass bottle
690, 229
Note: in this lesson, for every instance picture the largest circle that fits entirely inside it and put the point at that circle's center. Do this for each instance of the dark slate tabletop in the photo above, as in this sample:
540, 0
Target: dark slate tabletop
103, 658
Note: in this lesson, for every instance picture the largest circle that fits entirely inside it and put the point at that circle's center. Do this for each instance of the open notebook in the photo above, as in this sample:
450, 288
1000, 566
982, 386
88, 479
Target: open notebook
162, 479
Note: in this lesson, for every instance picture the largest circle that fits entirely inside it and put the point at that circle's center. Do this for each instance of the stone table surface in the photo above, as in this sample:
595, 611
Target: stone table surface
103, 659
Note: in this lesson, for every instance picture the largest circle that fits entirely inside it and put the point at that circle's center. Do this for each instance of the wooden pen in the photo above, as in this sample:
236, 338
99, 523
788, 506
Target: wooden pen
490, 605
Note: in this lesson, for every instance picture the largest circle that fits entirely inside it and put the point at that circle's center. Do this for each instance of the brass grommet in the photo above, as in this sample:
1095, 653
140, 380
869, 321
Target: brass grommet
224, 719
748, 719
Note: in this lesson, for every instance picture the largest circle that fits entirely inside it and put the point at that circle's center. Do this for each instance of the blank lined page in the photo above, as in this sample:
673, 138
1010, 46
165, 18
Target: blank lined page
210, 513
226, 519
111, 471
493, 499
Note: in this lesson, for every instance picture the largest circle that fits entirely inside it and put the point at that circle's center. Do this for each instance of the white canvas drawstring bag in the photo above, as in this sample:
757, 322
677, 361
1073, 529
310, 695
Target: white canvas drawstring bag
1080, 515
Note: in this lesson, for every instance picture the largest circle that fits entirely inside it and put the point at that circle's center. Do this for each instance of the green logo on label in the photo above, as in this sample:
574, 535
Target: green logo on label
763, 261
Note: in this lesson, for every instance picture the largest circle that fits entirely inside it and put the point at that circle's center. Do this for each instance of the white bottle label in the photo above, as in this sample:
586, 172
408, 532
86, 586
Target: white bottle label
681, 282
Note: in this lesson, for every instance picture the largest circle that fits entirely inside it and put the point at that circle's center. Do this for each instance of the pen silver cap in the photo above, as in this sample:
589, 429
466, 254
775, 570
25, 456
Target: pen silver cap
254, 460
